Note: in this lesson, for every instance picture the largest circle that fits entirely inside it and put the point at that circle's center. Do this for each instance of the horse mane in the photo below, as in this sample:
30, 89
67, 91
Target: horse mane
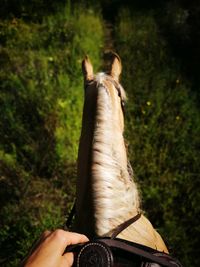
111, 176
99, 78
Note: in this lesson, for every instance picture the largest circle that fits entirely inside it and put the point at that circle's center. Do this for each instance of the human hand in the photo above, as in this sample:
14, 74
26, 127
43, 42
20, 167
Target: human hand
49, 249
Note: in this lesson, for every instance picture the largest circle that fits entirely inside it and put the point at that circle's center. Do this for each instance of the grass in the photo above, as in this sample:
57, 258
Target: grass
162, 129
41, 95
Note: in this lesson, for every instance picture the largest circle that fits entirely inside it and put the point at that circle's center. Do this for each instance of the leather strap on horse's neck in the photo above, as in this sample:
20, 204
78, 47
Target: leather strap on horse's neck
139, 251
117, 230
71, 216
124, 225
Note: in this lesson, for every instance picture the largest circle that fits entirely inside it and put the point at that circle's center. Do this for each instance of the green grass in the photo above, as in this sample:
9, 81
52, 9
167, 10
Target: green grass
162, 129
41, 98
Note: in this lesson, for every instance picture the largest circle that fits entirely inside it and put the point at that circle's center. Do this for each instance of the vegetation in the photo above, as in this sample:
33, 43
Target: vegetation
162, 129
41, 97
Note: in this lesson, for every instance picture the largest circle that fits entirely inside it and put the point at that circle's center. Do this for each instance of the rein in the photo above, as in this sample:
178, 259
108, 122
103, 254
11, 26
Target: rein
70, 217
117, 230
125, 225
98, 247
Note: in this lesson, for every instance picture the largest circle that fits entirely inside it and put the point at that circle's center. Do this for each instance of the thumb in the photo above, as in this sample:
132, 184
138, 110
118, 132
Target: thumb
67, 260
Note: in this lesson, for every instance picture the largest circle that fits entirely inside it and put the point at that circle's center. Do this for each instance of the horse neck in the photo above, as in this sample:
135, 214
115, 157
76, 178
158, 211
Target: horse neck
105, 193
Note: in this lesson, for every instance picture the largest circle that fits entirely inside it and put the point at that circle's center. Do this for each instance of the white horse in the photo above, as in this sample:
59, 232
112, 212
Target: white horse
107, 194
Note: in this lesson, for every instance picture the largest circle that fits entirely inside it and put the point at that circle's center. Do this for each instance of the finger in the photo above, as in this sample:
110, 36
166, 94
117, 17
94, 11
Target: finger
68, 238
75, 238
44, 235
61, 239
67, 259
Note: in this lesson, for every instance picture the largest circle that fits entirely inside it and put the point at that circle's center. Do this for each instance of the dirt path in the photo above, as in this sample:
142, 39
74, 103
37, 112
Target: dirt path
109, 36
109, 44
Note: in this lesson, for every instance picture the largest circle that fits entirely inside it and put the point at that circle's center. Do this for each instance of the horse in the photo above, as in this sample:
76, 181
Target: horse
106, 191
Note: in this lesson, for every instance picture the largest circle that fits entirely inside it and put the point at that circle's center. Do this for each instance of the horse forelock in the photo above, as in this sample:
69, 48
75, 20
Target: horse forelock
101, 78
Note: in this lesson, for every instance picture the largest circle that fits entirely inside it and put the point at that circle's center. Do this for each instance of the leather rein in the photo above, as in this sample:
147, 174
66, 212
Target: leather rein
121, 227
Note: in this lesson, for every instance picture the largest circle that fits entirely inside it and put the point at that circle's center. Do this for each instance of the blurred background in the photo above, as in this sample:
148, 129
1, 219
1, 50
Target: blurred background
42, 44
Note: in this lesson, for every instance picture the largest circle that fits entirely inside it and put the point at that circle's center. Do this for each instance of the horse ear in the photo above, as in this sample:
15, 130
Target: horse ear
87, 69
116, 66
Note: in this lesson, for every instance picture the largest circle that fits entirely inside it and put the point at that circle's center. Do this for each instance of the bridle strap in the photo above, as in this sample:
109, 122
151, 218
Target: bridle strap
112, 242
71, 216
117, 230
137, 251
124, 225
